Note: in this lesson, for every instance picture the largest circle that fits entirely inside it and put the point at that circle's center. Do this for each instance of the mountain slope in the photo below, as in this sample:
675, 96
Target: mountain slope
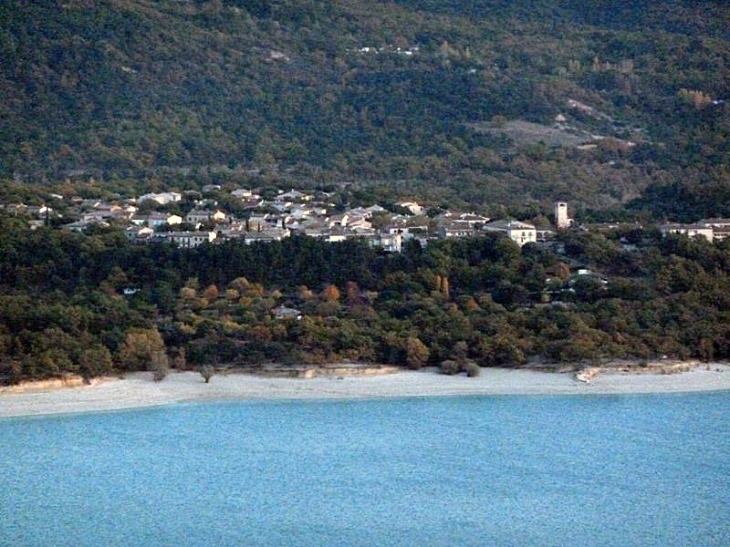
369, 91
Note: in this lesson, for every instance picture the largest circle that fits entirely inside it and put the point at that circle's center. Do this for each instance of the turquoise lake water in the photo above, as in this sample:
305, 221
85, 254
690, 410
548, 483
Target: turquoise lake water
598, 470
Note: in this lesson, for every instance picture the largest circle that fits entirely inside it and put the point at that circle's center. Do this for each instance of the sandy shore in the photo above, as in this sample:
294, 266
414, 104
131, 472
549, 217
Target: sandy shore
138, 390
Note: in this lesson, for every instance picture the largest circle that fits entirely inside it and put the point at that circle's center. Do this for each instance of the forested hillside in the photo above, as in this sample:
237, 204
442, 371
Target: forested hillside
478, 102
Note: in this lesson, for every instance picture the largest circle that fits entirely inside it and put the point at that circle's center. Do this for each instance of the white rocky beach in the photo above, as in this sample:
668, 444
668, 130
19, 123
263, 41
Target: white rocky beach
138, 390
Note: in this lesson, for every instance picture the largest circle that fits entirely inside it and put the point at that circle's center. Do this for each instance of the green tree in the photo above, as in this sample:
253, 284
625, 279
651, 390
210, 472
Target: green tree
417, 353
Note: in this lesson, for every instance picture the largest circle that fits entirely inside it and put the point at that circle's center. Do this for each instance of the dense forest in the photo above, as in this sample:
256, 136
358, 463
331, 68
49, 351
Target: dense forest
95, 303
490, 101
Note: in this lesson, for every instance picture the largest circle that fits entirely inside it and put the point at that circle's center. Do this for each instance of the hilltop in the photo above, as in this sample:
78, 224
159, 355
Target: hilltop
491, 101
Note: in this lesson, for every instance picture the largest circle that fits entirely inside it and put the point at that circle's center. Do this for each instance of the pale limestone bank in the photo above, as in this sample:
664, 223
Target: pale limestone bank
138, 390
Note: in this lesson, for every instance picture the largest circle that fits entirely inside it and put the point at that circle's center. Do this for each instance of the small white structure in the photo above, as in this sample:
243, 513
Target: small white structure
562, 220
285, 312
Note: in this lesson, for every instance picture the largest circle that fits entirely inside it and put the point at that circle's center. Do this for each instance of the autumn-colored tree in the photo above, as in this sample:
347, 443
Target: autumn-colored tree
445, 287
192, 283
331, 294
460, 352
305, 293
138, 348
562, 271
211, 293
179, 359
260, 333
697, 98
240, 284
95, 361
187, 294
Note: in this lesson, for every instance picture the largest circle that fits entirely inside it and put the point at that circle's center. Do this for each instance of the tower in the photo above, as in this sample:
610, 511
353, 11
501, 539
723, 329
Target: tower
561, 215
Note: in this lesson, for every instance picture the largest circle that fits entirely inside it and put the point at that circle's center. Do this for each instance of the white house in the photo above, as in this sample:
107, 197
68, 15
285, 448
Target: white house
409, 232
163, 198
455, 228
138, 233
689, 230
189, 239
199, 216
293, 196
284, 312
411, 206
519, 232
390, 243
473, 218
155, 220
338, 221
359, 224
265, 236
83, 225
242, 193
367, 212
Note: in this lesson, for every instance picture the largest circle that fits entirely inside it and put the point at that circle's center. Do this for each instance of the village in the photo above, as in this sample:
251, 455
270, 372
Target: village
159, 217
190, 219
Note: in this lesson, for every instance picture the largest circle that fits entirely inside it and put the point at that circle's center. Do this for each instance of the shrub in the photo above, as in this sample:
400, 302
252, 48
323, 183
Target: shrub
450, 367
159, 365
207, 373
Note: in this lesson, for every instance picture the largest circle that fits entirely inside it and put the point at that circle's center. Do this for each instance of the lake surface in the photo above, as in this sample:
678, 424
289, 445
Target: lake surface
597, 470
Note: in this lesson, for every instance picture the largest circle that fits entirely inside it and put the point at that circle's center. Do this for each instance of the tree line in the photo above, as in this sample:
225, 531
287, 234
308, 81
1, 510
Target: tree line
94, 304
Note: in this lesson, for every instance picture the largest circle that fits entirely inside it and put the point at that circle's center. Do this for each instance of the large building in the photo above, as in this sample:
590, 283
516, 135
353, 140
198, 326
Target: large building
519, 232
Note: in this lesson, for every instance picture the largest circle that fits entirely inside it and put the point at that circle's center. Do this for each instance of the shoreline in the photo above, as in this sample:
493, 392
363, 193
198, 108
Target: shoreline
138, 391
